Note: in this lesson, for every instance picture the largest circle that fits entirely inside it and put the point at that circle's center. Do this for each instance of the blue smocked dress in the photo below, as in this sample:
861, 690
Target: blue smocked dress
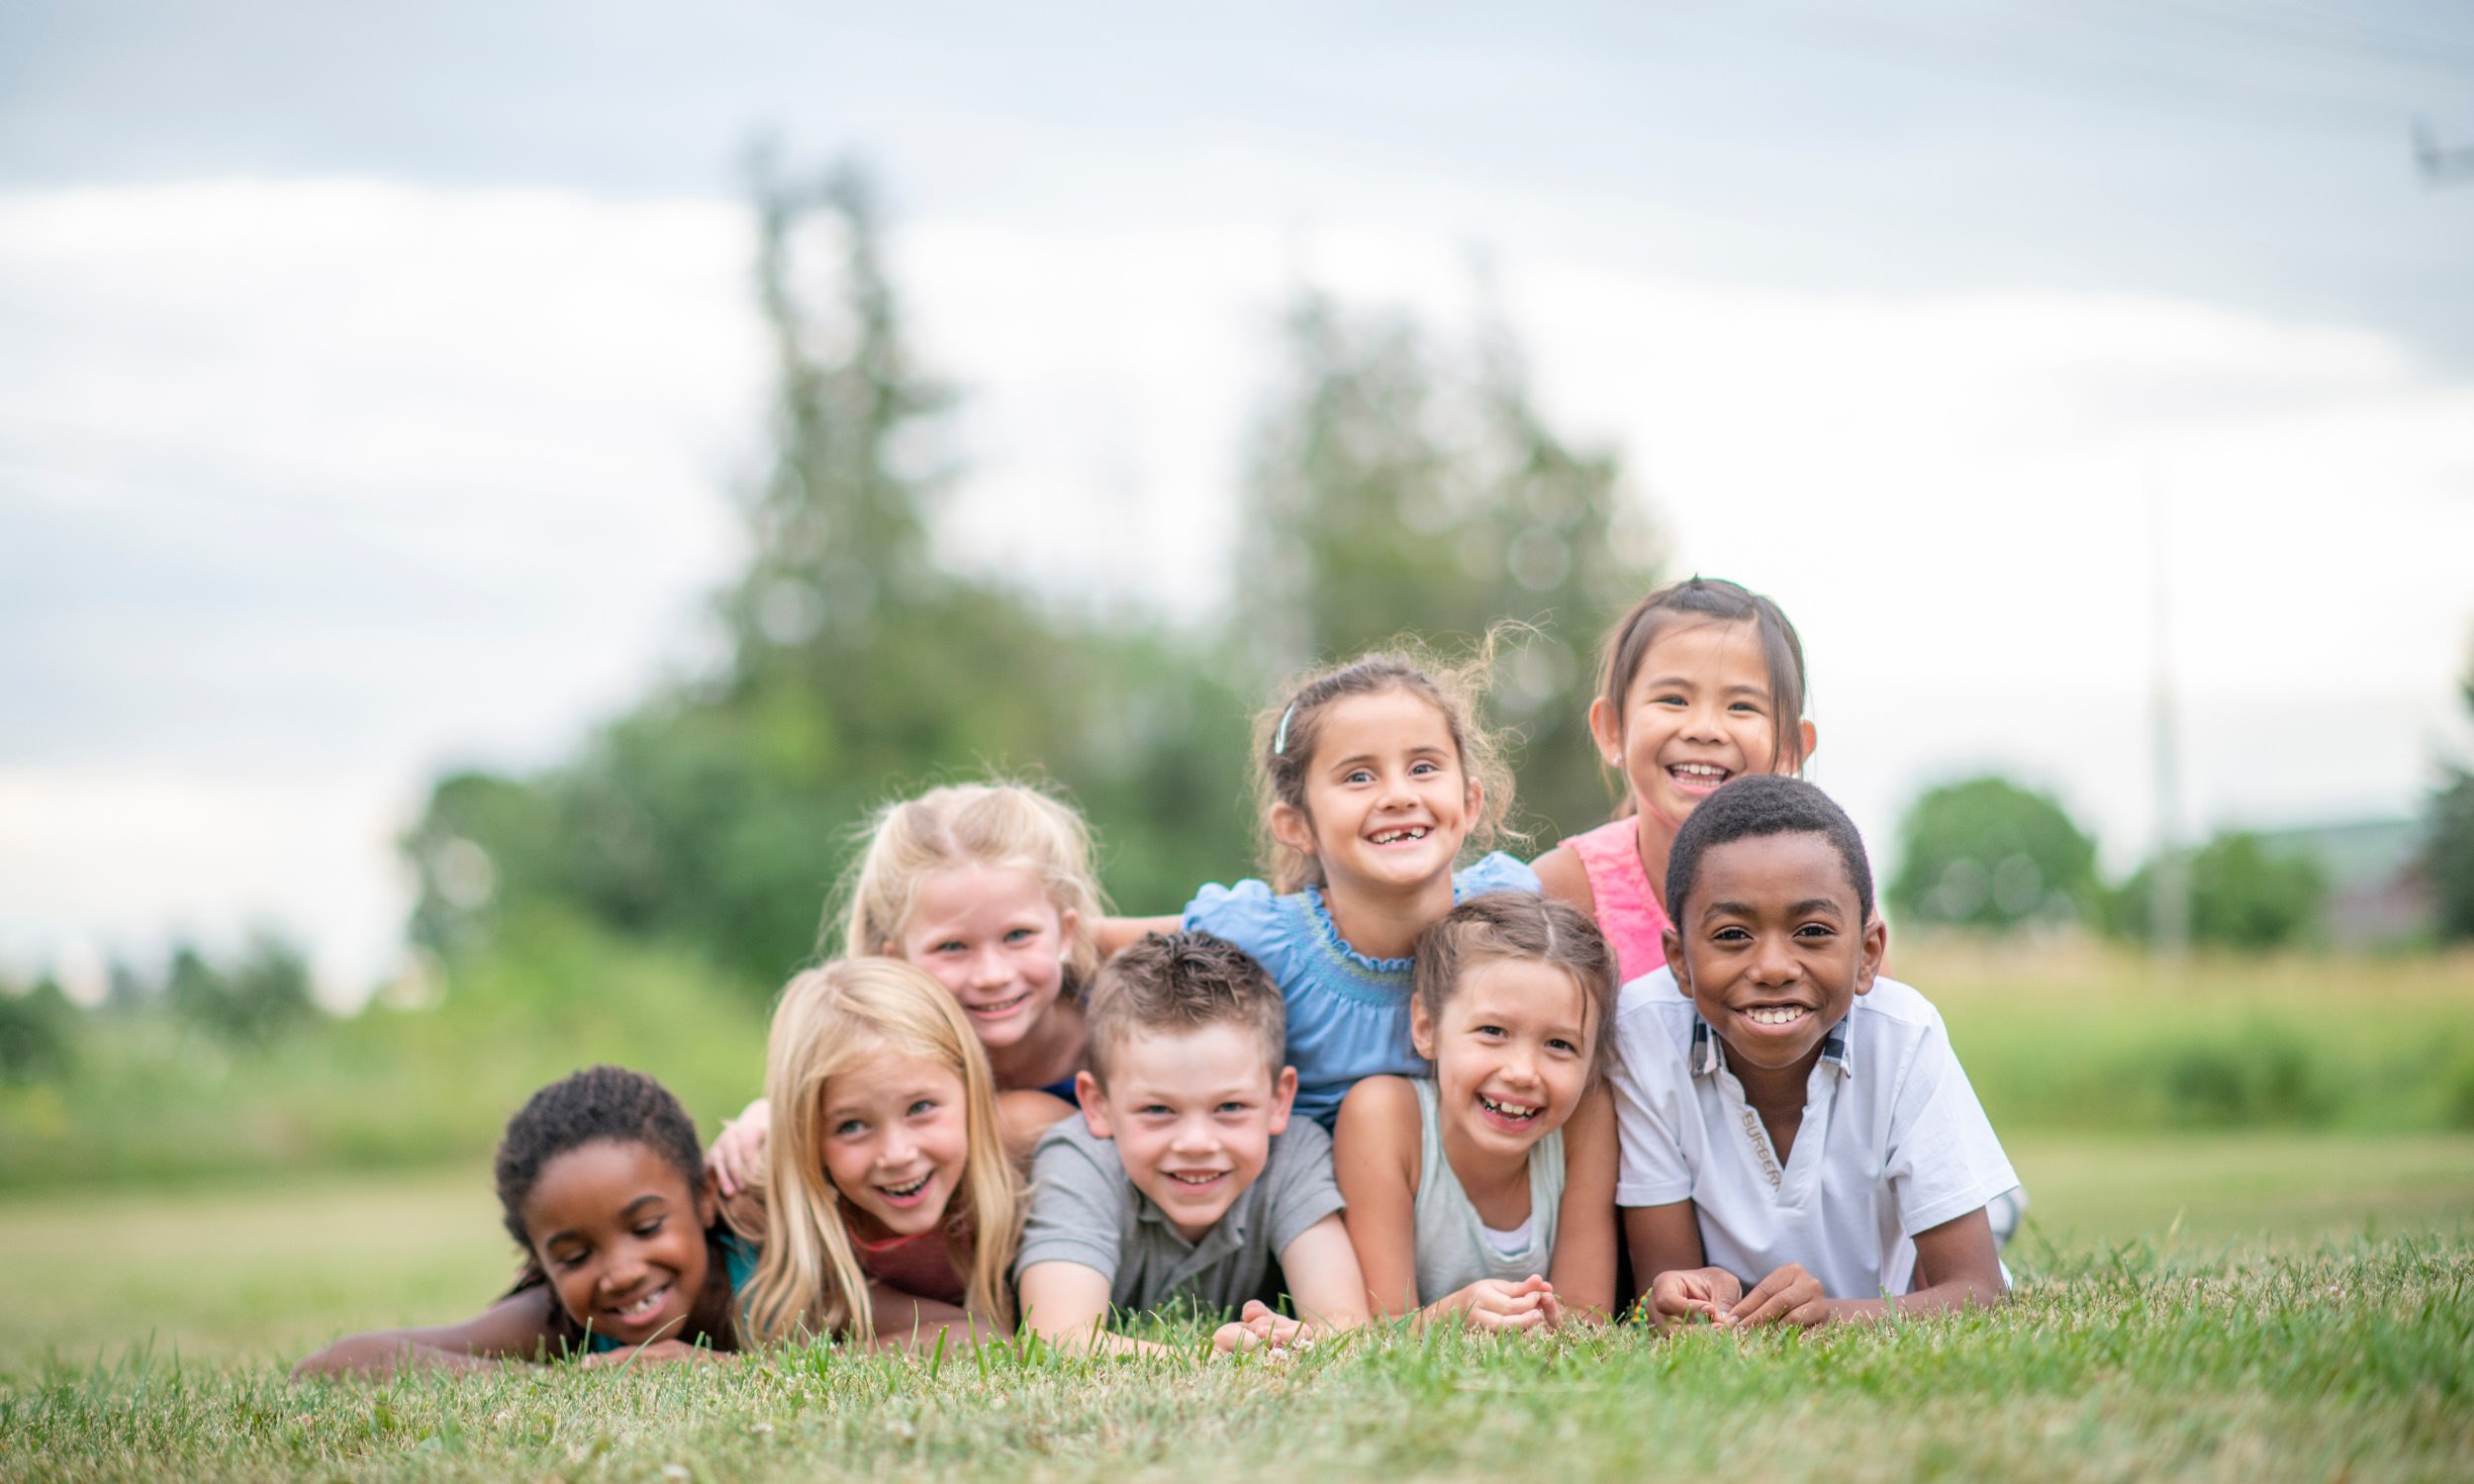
1348, 1014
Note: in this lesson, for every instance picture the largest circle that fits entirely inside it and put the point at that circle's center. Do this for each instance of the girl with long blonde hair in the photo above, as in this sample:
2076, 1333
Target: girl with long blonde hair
988, 888
891, 1211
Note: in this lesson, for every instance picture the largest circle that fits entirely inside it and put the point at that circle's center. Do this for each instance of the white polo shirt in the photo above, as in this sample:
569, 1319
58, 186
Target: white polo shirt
1892, 1143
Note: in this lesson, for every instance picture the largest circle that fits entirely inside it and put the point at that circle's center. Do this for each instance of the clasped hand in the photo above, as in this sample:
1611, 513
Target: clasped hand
1789, 1295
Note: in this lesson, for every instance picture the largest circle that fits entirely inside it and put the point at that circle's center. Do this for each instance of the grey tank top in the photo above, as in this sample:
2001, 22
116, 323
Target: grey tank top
1452, 1249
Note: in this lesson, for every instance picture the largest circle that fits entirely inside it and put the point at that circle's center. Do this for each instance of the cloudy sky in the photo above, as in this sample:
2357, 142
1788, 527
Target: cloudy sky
374, 379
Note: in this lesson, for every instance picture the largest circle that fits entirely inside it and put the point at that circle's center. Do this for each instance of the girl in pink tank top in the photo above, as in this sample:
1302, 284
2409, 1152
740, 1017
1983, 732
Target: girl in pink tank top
1703, 681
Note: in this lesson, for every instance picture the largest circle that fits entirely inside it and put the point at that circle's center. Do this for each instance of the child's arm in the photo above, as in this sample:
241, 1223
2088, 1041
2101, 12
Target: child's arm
1375, 1155
905, 1320
1562, 876
1374, 1158
1324, 1280
516, 1327
1583, 1260
736, 1159
1957, 1267
1116, 934
1066, 1305
1666, 1260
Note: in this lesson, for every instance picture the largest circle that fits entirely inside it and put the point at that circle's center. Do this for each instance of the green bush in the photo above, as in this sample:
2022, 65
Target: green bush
1986, 853
38, 1034
2243, 895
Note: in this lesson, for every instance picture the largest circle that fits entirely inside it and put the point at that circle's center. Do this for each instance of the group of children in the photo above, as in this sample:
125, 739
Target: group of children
1658, 1071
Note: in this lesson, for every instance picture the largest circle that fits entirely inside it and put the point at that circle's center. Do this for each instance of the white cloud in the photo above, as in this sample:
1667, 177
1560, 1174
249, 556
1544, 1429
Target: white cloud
309, 486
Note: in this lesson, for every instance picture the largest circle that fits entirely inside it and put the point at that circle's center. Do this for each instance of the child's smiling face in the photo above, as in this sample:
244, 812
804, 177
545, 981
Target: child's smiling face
1192, 1113
1388, 800
1512, 1052
895, 1137
620, 1234
1773, 946
1700, 711
993, 938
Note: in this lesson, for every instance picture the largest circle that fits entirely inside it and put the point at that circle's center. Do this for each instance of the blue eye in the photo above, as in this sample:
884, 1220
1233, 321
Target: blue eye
850, 1128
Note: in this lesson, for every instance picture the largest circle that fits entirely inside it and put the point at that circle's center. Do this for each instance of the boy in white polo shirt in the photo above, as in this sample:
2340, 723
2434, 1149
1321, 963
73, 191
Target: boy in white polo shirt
1798, 1142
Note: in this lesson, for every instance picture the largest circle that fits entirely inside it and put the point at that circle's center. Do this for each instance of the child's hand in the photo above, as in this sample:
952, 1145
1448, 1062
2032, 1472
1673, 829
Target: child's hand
1495, 1305
1789, 1296
1684, 1293
658, 1351
737, 1157
1259, 1325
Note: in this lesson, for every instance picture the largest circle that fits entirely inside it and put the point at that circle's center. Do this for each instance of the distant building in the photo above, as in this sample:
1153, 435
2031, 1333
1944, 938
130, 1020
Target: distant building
2377, 894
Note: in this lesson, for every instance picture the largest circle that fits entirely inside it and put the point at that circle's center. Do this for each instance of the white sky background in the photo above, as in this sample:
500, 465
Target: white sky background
372, 385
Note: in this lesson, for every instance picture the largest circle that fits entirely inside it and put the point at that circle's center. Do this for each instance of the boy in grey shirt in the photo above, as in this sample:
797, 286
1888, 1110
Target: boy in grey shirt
1183, 1175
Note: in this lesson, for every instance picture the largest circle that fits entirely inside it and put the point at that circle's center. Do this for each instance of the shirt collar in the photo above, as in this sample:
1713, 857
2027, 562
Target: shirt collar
1225, 1235
1705, 1057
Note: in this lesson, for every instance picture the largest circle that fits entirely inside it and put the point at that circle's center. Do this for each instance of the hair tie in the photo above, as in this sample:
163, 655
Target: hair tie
1279, 740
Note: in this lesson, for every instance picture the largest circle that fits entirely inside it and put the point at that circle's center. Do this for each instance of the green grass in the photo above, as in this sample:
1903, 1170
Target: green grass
2352, 1363
2203, 1307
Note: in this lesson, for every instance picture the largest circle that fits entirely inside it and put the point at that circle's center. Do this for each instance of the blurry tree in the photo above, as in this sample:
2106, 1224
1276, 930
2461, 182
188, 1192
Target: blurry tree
38, 1033
2448, 858
1394, 490
719, 811
2241, 896
259, 997
1987, 853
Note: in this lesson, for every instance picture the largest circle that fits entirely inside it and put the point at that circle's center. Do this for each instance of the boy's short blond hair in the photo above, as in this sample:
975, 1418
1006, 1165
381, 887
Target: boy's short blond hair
1176, 984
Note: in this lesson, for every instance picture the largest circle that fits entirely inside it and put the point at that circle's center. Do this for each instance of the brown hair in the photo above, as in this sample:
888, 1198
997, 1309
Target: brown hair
1284, 737
1179, 982
1712, 599
1517, 925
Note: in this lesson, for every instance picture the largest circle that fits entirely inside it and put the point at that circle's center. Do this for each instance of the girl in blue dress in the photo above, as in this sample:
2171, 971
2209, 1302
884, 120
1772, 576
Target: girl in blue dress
1374, 779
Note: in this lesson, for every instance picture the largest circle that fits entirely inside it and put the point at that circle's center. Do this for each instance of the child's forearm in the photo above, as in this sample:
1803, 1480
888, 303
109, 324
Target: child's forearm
1941, 1298
1095, 1339
386, 1354
906, 1321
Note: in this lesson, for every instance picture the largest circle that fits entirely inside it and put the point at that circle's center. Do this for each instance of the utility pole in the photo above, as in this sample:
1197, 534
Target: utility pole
2169, 901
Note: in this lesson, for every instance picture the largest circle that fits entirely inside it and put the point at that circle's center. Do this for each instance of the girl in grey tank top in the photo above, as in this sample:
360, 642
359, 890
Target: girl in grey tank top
1485, 1193
1456, 1248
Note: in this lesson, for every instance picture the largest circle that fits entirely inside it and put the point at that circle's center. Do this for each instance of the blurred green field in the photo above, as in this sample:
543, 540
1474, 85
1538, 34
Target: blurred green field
2066, 1036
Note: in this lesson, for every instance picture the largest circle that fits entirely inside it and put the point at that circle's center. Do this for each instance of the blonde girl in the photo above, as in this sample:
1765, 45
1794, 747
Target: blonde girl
988, 887
891, 1210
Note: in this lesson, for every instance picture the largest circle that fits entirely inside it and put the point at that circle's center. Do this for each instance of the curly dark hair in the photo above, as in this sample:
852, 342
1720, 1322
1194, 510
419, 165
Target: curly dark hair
1179, 983
1505, 925
1756, 805
595, 1105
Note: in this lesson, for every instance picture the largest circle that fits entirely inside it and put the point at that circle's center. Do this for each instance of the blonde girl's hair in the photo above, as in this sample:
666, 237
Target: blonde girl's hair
1285, 733
998, 825
808, 1282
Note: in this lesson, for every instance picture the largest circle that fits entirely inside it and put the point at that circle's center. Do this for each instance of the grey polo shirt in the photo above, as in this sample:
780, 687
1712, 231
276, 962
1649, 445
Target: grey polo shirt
1085, 1210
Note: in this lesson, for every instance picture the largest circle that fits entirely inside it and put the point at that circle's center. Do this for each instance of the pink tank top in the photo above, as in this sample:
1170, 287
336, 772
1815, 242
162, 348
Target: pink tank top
1628, 911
